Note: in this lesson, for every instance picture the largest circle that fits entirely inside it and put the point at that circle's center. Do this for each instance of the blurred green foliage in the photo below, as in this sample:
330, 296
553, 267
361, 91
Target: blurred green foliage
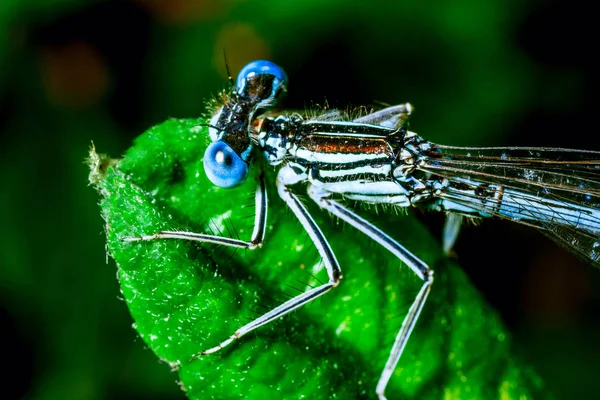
73, 72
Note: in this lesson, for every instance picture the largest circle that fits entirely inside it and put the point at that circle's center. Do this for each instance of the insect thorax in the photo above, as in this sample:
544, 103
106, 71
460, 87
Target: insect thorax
276, 136
358, 161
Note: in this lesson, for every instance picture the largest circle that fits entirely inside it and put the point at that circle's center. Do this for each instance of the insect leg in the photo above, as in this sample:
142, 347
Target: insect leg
451, 231
285, 179
414, 263
258, 234
390, 117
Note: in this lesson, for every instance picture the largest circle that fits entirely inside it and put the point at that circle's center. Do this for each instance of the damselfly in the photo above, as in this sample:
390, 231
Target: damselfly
375, 159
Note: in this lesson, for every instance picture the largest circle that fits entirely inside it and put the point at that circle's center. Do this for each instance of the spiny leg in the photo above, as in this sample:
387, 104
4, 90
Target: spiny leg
391, 117
256, 240
286, 178
414, 263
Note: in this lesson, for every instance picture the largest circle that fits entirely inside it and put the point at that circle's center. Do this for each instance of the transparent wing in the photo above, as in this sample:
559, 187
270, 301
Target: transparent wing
555, 190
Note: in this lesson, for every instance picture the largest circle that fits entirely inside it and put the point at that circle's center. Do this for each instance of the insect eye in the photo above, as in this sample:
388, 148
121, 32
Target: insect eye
223, 166
262, 80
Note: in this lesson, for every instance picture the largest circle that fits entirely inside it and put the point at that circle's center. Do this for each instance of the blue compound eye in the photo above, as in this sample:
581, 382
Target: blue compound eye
262, 79
223, 166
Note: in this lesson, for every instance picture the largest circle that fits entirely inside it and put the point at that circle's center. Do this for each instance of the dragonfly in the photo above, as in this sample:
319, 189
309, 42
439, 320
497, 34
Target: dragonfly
374, 158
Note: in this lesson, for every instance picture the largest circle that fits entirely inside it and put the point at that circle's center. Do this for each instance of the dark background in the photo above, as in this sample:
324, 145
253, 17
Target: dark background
501, 72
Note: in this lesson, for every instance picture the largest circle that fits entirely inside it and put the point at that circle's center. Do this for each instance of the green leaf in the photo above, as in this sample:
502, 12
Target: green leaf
186, 297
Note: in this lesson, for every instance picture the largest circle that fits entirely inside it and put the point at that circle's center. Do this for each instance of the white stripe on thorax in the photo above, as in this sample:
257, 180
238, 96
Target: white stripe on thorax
383, 169
362, 187
335, 158
383, 132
